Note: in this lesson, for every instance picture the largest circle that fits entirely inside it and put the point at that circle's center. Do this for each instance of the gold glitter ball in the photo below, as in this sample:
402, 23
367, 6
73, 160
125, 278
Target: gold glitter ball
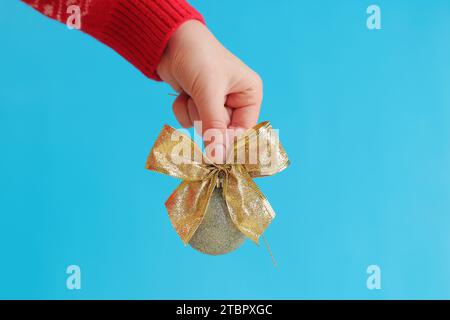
217, 233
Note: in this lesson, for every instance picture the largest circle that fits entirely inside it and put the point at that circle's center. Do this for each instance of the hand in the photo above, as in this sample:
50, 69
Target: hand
214, 87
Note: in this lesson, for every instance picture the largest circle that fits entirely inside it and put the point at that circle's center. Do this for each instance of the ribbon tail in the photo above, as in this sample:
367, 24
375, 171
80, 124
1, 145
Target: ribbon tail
186, 206
249, 209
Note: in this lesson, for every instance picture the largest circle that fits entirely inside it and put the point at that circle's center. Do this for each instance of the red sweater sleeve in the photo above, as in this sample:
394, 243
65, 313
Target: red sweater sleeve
137, 29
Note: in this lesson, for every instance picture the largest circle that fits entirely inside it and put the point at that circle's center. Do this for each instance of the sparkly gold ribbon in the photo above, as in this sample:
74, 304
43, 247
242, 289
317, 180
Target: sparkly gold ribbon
249, 209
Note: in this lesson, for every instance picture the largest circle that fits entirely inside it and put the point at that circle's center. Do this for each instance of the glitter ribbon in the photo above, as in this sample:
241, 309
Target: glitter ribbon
256, 153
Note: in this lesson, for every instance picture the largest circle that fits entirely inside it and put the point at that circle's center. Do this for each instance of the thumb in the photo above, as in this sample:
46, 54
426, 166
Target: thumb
214, 119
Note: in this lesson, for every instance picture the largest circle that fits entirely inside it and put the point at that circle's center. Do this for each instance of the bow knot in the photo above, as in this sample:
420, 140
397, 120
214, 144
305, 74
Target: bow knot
249, 209
219, 172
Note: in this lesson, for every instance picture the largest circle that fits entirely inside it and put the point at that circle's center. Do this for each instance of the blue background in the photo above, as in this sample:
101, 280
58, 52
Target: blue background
364, 116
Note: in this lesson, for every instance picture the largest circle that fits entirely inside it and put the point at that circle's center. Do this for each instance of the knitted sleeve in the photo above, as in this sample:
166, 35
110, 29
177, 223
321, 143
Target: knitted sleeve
137, 29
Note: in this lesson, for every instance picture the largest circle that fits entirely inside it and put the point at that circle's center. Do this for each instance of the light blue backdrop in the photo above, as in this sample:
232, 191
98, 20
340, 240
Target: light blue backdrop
364, 116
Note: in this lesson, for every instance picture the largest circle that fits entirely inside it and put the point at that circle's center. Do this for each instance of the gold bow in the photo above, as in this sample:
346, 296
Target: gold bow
177, 155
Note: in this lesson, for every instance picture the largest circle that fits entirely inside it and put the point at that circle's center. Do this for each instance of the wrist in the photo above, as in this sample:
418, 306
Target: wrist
190, 38
146, 28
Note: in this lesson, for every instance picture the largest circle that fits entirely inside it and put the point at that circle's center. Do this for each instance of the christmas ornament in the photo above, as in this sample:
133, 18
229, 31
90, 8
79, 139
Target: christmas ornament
217, 233
217, 205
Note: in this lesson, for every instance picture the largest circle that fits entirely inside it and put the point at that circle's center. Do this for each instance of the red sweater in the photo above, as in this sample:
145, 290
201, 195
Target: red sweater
137, 29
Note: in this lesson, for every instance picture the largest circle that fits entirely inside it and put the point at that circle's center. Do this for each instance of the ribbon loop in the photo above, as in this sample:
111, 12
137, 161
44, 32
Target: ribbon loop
177, 155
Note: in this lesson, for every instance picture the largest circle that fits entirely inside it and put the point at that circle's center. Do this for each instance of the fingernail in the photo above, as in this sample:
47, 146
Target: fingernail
217, 152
